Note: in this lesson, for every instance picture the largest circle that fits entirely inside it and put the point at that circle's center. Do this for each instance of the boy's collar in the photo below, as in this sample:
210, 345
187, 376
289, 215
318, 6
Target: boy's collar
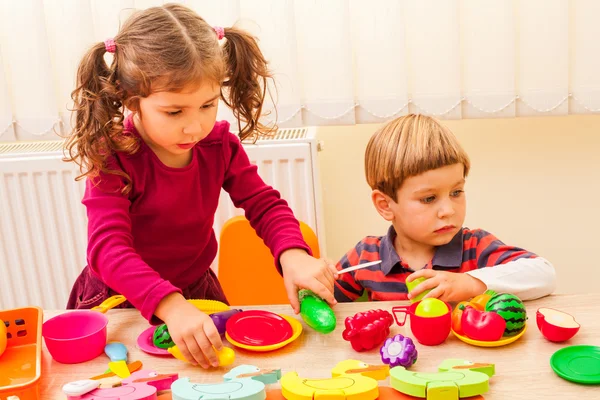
447, 256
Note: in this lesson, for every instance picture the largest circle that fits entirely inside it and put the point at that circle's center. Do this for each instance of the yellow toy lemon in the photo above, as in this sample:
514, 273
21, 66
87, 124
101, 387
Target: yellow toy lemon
226, 356
431, 307
3, 337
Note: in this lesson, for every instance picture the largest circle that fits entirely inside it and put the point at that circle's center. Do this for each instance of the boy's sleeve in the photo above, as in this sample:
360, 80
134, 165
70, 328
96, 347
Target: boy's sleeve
490, 251
347, 289
509, 269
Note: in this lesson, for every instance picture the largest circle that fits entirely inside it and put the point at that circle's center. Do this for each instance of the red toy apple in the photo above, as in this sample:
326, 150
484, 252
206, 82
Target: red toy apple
556, 326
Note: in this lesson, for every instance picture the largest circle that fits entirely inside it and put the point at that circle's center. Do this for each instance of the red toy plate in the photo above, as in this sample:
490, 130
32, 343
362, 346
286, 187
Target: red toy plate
258, 328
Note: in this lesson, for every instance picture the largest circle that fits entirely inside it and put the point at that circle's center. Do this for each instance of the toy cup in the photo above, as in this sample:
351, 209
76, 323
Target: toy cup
429, 331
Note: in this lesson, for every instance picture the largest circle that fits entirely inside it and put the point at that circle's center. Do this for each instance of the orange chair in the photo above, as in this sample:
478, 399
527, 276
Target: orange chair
246, 266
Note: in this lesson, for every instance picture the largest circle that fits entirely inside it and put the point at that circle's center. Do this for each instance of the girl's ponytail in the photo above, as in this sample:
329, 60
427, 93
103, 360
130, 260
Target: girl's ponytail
247, 75
98, 119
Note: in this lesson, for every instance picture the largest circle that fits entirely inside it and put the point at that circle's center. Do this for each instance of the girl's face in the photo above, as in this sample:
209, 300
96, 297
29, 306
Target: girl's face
171, 123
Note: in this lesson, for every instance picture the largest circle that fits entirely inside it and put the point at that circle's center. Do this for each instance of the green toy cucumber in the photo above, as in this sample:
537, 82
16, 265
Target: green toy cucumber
316, 312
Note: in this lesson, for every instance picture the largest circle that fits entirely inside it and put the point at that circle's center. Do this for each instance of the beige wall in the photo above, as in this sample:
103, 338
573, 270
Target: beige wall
534, 183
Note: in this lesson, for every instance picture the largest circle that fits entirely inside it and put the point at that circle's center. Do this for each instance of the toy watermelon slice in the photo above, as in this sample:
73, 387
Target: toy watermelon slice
162, 338
512, 309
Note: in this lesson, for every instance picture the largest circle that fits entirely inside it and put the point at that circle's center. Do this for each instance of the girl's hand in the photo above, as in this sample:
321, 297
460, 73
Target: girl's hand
193, 331
301, 271
446, 286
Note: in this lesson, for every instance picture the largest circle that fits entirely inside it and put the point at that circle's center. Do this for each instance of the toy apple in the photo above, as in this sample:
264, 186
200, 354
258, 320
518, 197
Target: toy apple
431, 307
556, 326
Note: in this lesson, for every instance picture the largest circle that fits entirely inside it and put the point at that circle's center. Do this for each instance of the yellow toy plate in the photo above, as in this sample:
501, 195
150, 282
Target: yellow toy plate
296, 329
497, 343
209, 306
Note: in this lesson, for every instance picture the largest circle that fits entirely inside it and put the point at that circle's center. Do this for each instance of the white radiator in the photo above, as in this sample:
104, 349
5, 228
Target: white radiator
43, 226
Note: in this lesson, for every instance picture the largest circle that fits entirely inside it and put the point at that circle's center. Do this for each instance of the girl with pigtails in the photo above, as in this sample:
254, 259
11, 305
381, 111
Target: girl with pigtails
155, 160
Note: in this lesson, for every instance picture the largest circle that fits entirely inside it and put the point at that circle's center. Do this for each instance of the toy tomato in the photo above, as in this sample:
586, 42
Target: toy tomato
457, 317
482, 325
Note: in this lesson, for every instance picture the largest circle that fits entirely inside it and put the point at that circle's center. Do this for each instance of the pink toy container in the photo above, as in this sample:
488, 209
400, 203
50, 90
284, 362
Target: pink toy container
80, 335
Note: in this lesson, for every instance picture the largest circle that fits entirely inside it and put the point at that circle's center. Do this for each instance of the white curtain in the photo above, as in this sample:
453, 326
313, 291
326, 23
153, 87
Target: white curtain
335, 61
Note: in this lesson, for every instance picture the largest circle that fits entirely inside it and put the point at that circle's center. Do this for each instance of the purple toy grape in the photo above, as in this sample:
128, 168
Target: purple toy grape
398, 351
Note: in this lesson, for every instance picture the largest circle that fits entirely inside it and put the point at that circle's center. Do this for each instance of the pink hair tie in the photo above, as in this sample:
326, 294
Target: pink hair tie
220, 31
110, 45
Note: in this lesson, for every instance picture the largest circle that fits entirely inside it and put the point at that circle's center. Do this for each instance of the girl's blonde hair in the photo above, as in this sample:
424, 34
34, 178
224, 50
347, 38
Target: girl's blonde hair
161, 49
409, 146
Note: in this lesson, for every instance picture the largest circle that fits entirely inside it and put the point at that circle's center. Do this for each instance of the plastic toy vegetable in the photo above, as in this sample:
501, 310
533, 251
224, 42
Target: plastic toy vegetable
398, 351
316, 312
220, 319
365, 330
482, 299
457, 317
482, 325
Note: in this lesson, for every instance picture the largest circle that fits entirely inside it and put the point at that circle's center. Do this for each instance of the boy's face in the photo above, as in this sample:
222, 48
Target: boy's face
430, 207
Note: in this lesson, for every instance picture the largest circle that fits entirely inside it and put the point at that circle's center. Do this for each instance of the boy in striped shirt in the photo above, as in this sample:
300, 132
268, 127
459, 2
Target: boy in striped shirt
416, 169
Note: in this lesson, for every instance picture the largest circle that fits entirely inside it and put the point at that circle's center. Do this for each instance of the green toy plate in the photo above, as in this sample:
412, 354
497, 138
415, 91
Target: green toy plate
580, 364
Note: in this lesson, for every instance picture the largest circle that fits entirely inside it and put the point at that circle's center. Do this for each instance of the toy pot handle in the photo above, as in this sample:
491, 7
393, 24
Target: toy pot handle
402, 310
109, 303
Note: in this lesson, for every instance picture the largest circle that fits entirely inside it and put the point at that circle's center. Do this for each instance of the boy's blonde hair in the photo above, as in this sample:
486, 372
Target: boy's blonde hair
409, 146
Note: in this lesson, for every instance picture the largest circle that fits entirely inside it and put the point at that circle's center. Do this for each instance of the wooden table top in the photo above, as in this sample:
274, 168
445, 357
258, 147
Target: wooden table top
522, 368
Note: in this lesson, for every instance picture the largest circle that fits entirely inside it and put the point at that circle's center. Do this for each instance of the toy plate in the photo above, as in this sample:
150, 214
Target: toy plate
580, 364
296, 328
258, 328
145, 343
497, 343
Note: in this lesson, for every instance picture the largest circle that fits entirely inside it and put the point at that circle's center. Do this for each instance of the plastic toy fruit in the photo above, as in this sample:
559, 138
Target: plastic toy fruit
316, 312
3, 337
162, 338
431, 308
511, 308
226, 356
399, 351
365, 330
482, 325
556, 326
413, 284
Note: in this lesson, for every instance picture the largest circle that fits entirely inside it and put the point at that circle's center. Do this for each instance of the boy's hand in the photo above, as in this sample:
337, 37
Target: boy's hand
301, 271
193, 331
446, 286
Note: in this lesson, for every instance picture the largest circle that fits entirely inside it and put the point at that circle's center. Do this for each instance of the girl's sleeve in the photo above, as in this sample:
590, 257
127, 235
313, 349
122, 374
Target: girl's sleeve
110, 251
267, 212
509, 269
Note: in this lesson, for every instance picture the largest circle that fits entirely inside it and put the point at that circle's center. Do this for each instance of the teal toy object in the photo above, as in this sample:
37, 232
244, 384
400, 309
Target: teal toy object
245, 382
316, 312
455, 379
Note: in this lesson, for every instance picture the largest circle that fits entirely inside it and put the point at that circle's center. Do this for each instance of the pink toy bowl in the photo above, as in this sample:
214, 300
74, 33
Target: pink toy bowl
80, 335
429, 331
